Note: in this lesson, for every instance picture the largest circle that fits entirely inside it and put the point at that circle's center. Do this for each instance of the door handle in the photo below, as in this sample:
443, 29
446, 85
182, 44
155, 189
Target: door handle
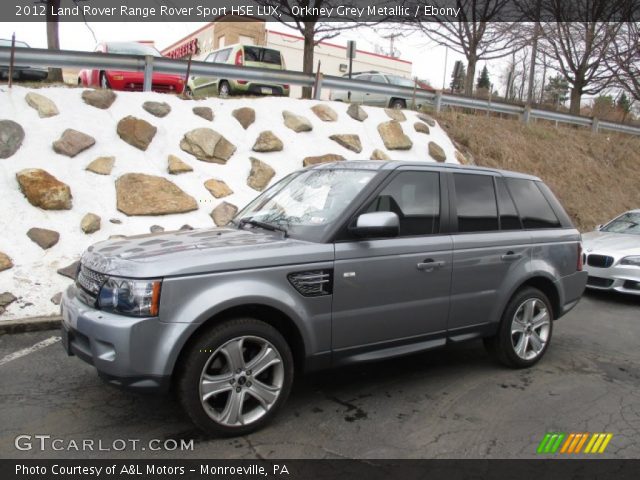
429, 265
511, 256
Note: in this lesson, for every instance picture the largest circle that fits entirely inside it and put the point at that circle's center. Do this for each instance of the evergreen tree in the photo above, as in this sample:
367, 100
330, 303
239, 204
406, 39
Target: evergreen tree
483, 79
623, 103
556, 91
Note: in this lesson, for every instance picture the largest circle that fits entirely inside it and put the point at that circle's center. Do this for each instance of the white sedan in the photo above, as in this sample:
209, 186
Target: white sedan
612, 254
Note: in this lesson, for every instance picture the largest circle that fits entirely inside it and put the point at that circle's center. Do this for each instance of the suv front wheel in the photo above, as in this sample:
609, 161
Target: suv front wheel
235, 377
525, 330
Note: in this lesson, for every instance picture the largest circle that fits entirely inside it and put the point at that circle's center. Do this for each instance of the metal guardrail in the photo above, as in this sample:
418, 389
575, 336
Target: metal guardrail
149, 64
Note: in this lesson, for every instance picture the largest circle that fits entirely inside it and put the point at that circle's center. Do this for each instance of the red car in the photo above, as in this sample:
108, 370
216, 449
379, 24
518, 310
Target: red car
129, 81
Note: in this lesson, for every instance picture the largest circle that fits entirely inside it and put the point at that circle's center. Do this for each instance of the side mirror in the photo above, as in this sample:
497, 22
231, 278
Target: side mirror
598, 227
377, 224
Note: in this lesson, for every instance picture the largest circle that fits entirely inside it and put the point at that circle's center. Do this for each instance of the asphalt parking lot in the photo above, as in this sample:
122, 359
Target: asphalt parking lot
450, 403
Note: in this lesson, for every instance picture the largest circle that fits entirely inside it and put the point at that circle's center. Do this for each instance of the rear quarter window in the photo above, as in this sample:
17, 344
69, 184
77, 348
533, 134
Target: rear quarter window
532, 205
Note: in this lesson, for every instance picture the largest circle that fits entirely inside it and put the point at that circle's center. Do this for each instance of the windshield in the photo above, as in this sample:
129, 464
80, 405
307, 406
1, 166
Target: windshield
626, 223
7, 43
307, 203
132, 48
403, 82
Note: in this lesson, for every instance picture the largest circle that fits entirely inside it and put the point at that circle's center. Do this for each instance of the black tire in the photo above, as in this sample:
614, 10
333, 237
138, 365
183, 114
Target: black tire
398, 103
501, 346
224, 89
204, 353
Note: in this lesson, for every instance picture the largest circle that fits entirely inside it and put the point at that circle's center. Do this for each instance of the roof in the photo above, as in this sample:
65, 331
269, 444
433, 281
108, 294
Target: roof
395, 164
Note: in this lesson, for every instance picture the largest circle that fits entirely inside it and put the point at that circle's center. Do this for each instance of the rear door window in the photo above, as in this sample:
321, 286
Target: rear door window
476, 203
509, 218
534, 209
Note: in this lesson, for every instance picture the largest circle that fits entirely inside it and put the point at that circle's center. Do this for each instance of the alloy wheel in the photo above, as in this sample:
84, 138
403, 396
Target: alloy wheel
530, 328
241, 381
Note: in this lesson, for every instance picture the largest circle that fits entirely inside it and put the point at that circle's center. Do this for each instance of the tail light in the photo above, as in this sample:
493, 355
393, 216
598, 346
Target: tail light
239, 58
580, 259
286, 86
242, 82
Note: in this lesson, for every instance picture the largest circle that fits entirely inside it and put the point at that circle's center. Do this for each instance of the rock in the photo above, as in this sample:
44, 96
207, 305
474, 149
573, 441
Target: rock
436, 152
115, 221
296, 123
224, 213
157, 109
350, 142
217, 188
421, 127
57, 298
267, 142
325, 113
393, 136
177, 166
395, 114
43, 237
6, 299
461, 158
356, 112
136, 132
245, 115
44, 190
5, 262
379, 155
140, 194
11, 137
72, 142
102, 99
260, 174
328, 158
90, 223
185, 228
156, 229
204, 112
102, 165
207, 145
70, 270
427, 119
45, 107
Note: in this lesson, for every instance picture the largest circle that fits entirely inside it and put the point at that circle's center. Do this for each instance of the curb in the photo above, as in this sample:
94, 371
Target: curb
31, 324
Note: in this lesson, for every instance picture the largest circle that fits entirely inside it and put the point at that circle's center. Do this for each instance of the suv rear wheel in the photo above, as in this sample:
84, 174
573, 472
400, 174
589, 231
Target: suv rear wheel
398, 104
235, 377
525, 330
224, 90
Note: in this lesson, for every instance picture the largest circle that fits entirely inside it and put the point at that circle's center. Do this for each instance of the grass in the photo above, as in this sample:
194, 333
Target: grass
595, 176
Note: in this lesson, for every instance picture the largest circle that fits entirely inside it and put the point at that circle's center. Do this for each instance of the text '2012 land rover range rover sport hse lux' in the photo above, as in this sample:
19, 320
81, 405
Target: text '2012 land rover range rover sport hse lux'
339, 263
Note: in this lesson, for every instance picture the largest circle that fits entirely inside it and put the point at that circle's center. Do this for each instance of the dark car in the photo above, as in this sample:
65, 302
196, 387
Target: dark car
21, 72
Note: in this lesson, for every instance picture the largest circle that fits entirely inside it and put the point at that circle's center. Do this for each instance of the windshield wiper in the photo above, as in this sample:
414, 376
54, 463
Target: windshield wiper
263, 225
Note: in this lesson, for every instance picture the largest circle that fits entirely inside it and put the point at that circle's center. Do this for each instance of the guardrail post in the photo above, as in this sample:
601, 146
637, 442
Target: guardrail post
595, 124
148, 73
438, 101
318, 89
526, 115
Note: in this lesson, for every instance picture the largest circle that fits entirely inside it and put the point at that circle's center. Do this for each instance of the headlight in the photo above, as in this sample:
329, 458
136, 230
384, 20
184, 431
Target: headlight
633, 261
137, 298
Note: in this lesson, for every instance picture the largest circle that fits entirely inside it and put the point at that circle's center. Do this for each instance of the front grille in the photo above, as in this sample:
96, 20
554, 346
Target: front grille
313, 283
90, 283
599, 282
600, 261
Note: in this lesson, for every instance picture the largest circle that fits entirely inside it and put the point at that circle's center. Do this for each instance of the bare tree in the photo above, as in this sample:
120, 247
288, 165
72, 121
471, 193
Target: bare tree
308, 23
624, 63
475, 33
581, 48
53, 37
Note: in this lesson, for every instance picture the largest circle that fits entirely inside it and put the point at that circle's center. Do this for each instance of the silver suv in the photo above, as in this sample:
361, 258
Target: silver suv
374, 98
340, 263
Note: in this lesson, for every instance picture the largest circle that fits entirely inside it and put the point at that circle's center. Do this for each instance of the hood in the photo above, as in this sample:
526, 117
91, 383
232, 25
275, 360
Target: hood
200, 251
615, 244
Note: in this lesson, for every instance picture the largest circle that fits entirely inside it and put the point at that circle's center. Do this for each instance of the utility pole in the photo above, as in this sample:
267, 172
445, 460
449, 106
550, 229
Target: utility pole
444, 75
534, 51
391, 39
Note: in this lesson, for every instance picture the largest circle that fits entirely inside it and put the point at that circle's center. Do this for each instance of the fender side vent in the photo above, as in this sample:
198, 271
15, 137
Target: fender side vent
313, 283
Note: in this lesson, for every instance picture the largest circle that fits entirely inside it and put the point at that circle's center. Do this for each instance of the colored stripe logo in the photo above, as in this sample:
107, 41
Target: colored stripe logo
573, 443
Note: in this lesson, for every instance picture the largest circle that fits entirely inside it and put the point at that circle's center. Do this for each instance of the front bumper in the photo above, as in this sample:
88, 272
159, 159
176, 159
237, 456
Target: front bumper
135, 353
619, 278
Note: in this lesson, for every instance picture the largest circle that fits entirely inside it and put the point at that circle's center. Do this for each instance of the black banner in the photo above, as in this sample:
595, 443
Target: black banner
321, 11
321, 469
